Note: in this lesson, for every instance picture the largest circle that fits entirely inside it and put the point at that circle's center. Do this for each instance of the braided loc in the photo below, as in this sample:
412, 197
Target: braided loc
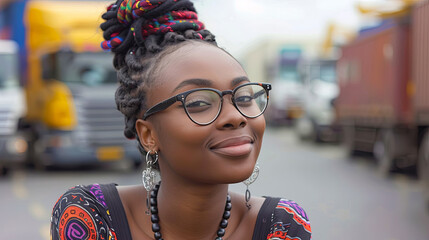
140, 33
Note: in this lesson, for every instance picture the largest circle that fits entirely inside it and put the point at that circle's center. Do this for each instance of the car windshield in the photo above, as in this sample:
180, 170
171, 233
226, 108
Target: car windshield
324, 72
289, 73
90, 69
8, 71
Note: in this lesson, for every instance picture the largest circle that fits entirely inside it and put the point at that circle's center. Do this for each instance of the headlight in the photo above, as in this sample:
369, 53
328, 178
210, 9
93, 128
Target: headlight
16, 145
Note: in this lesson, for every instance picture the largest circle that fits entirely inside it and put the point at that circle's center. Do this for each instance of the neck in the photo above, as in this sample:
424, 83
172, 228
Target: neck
189, 210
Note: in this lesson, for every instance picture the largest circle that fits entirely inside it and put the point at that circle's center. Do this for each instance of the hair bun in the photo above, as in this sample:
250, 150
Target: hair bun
129, 10
129, 21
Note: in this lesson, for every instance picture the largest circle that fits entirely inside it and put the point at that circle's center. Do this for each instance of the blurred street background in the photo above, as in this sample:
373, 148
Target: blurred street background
348, 118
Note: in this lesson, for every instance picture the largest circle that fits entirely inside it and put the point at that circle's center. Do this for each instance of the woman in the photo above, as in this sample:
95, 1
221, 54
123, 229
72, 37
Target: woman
198, 120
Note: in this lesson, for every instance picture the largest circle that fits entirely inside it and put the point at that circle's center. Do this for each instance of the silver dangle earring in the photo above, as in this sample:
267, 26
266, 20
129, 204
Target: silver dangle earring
148, 177
249, 181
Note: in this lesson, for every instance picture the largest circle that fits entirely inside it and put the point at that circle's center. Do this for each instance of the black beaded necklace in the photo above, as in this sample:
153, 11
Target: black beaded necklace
155, 218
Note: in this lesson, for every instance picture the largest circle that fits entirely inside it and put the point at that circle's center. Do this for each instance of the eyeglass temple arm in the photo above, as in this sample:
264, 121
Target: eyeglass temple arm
160, 107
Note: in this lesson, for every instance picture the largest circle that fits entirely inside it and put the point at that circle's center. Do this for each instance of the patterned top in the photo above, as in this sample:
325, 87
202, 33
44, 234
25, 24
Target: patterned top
95, 212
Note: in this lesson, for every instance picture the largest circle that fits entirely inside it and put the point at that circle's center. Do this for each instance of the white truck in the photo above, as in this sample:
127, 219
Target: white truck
13, 146
321, 89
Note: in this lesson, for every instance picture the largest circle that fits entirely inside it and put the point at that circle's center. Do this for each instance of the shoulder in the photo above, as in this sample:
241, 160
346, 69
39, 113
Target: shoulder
82, 213
288, 220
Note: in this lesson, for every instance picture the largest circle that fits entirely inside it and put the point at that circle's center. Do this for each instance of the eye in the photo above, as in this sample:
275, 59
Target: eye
200, 101
196, 104
243, 99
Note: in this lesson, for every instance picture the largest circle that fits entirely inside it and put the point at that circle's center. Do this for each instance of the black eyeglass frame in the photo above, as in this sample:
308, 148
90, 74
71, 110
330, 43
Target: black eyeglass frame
182, 96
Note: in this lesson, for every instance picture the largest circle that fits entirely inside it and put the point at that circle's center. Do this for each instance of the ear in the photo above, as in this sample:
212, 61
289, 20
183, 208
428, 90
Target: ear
146, 132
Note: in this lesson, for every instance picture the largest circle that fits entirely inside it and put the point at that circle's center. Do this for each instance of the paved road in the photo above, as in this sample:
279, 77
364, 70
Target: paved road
345, 198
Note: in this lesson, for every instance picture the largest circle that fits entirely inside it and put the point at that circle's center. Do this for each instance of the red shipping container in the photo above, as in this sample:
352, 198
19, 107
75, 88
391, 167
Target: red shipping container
375, 101
374, 74
384, 92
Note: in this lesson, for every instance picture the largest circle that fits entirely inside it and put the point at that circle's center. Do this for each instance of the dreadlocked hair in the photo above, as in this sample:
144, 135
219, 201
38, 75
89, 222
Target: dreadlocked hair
140, 33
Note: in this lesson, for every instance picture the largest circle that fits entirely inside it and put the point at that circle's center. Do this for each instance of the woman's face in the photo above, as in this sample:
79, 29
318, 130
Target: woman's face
224, 151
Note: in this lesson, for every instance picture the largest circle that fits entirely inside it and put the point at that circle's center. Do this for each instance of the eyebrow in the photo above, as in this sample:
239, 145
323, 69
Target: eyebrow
238, 80
208, 83
195, 81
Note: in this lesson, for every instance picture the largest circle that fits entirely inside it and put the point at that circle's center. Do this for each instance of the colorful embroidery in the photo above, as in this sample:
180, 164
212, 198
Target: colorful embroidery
299, 215
76, 223
278, 231
81, 213
290, 222
96, 191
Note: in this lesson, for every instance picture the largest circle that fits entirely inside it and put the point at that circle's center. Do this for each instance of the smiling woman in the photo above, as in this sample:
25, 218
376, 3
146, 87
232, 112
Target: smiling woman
198, 120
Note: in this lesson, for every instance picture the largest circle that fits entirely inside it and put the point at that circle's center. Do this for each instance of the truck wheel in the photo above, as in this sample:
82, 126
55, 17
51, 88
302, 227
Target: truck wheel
304, 128
34, 158
31, 155
349, 139
423, 165
3, 170
319, 136
384, 151
38, 160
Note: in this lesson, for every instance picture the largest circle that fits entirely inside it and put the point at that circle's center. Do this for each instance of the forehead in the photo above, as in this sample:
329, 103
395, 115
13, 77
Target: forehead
198, 60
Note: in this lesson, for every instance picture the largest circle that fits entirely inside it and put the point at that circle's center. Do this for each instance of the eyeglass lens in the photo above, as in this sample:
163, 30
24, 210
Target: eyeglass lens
203, 106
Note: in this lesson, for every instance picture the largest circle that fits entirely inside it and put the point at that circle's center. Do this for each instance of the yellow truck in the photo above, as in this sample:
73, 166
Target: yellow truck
71, 116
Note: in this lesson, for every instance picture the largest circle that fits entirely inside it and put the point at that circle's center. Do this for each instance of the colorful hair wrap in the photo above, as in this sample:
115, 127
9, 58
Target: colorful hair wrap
131, 10
172, 22
112, 43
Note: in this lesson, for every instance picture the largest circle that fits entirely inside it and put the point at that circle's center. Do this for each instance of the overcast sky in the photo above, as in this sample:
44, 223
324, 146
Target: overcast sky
239, 24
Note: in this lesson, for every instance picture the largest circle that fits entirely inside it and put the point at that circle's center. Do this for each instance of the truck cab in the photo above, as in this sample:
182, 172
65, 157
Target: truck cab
72, 118
13, 146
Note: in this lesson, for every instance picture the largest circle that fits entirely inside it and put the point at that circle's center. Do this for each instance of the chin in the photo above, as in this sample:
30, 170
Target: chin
241, 174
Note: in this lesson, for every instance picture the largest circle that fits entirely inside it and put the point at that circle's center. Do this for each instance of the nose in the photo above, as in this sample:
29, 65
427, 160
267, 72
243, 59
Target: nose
230, 117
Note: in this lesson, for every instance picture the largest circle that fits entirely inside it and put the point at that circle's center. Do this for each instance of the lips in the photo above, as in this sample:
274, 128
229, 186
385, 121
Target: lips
233, 147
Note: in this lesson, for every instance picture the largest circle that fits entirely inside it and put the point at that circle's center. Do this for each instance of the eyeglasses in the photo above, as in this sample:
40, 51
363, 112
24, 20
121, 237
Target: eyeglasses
203, 105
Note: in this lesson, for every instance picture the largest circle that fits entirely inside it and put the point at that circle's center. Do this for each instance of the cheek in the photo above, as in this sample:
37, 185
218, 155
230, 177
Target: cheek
182, 150
179, 137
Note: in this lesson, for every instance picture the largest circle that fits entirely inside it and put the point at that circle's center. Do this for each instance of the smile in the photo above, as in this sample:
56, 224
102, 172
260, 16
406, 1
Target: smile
233, 147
